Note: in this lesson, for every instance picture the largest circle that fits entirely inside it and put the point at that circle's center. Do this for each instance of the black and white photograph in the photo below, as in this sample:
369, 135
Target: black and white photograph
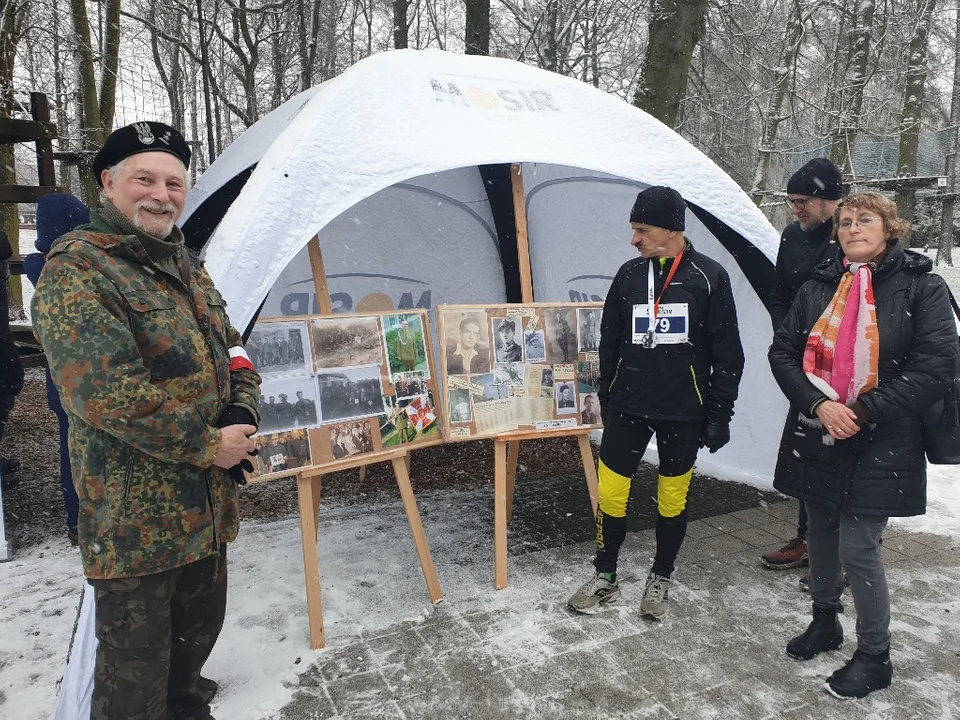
460, 406
492, 389
565, 394
279, 348
349, 393
547, 378
408, 384
466, 343
534, 348
282, 451
561, 333
588, 321
588, 375
507, 334
345, 342
590, 412
287, 403
509, 373
350, 438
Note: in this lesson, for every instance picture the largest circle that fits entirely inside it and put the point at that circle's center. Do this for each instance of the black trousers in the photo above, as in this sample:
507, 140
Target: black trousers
155, 633
625, 438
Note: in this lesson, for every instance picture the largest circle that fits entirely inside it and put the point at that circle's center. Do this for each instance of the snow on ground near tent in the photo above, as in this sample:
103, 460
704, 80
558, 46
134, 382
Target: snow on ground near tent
373, 588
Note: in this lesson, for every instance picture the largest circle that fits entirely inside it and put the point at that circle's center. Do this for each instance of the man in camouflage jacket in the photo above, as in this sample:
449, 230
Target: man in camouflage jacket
161, 400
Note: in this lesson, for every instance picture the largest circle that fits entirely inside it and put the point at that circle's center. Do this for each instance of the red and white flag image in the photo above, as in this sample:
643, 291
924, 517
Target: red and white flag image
420, 413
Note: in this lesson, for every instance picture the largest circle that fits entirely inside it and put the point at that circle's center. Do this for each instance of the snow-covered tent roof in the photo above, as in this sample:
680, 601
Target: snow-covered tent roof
399, 166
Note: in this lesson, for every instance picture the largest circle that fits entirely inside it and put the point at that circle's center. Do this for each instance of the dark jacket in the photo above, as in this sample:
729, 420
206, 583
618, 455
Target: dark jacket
682, 382
57, 214
800, 252
881, 470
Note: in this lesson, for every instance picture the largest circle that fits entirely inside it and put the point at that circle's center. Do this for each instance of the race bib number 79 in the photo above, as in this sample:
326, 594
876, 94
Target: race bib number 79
671, 327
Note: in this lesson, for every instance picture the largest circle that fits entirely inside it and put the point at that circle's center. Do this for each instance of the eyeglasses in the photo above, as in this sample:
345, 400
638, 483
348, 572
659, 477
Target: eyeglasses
865, 221
799, 203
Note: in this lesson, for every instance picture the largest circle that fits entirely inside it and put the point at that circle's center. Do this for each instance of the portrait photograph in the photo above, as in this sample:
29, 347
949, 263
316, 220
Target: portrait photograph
565, 395
277, 452
406, 349
350, 438
588, 321
460, 406
534, 348
590, 409
408, 384
466, 342
287, 403
345, 342
547, 378
349, 393
492, 389
279, 348
507, 336
561, 334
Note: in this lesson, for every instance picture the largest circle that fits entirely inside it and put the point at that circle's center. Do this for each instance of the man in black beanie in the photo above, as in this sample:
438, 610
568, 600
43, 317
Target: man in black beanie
813, 194
670, 366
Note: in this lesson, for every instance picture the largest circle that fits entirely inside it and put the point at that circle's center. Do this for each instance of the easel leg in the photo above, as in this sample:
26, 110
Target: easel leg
513, 454
363, 473
308, 495
589, 469
416, 527
500, 515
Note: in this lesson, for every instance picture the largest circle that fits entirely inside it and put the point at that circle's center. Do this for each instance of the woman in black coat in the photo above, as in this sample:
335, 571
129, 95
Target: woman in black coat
869, 342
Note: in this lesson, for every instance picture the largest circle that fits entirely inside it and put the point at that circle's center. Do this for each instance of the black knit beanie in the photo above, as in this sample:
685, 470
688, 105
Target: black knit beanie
818, 178
661, 207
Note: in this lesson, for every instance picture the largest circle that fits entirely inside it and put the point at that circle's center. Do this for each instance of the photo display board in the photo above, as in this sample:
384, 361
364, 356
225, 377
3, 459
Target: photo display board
336, 387
519, 367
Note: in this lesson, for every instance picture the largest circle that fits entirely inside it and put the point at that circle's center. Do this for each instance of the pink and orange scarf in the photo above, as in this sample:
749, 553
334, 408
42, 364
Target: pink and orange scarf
842, 354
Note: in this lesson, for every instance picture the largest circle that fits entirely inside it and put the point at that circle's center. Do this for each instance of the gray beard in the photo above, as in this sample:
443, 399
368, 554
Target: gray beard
138, 224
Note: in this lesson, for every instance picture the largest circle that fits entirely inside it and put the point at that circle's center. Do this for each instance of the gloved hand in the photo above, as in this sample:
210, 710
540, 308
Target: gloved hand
236, 415
715, 436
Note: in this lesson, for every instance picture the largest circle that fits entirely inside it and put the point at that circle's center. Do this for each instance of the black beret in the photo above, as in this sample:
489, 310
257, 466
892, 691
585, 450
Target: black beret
818, 178
660, 206
140, 137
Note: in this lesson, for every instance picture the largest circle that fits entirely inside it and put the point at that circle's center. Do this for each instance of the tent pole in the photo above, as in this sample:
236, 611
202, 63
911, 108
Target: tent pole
319, 276
523, 247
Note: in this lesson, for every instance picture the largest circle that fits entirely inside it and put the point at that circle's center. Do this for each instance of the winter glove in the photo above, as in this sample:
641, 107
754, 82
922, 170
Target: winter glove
715, 436
236, 415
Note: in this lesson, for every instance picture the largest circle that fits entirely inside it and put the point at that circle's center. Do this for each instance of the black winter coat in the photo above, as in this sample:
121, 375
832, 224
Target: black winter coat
800, 253
681, 382
882, 469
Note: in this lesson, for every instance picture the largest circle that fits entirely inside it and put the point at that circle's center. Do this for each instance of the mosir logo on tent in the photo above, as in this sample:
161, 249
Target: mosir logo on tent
350, 292
589, 288
491, 96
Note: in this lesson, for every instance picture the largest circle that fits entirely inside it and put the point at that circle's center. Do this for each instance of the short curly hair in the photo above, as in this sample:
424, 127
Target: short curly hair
875, 202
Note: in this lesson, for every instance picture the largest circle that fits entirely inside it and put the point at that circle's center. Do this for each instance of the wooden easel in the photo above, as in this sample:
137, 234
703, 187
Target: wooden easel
309, 482
308, 495
506, 450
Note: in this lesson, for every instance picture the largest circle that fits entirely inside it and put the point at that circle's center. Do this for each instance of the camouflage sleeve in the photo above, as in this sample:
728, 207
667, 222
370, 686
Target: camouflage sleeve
80, 320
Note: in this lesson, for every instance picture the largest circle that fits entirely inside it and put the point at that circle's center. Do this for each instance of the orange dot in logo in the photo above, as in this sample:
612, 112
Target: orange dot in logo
483, 99
375, 302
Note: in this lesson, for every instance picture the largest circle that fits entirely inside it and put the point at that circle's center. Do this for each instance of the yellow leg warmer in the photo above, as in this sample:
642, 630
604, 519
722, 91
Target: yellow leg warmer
671, 493
614, 489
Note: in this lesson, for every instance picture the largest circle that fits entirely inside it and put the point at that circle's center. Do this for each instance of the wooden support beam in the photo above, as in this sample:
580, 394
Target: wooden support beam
523, 245
40, 109
14, 130
320, 286
24, 193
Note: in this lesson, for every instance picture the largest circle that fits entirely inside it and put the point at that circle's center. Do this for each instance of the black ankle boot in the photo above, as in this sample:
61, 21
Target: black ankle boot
862, 675
823, 634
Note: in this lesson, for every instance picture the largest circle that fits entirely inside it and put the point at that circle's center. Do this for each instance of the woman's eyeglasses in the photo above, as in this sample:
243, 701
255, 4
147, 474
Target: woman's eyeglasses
865, 221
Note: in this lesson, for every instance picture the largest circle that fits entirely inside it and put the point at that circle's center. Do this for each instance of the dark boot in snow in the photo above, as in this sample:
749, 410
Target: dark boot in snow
823, 634
861, 676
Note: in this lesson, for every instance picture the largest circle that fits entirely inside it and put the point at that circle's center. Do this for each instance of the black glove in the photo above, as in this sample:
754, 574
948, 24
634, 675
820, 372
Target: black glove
237, 415
715, 436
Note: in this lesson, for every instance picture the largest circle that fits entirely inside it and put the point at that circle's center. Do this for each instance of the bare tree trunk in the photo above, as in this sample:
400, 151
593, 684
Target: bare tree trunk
771, 122
92, 127
851, 100
477, 27
675, 28
945, 250
401, 26
110, 62
913, 93
59, 85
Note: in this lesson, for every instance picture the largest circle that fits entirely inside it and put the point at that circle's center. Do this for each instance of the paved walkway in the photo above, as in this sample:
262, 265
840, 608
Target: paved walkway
719, 654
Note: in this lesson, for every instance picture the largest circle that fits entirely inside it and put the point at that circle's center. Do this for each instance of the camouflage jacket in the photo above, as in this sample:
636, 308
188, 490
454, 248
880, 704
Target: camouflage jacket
143, 378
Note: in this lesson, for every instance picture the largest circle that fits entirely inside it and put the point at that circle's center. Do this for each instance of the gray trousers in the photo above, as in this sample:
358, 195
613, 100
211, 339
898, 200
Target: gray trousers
837, 540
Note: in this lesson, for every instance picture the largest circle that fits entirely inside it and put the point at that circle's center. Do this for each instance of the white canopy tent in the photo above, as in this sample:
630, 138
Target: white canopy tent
394, 166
